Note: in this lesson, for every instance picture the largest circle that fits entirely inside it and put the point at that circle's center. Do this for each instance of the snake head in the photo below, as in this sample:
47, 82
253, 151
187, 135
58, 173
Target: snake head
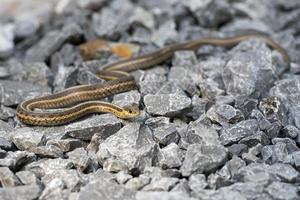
131, 111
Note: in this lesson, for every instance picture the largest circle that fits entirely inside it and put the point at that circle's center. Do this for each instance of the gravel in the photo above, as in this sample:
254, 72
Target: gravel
217, 123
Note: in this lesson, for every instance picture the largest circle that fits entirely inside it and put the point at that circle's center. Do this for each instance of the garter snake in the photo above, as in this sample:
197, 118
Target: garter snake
81, 100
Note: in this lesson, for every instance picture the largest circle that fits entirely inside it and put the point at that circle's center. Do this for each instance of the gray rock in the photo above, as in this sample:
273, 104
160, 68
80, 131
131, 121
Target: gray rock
170, 87
122, 177
27, 138
132, 145
27, 177
4, 72
142, 17
5, 144
165, 34
219, 12
106, 125
182, 186
65, 77
80, 158
244, 25
203, 158
291, 145
224, 114
237, 149
170, 156
166, 134
53, 190
278, 190
2, 153
114, 165
109, 24
254, 79
239, 131
288, 91
253, 154
91, 4
66, 145
162, 184
263, 123
7, 113
15, 92
48, 166
246, 105
253, 140
53, 41
295, 115
155, 122
290, 131
198, 133
66, 56
105, 190
152, 81
86, 77
210, 89
7, 178
14, 160
279, 171
26, 28
69, 176
36, 72
138, 183
296, 159
184, 59
273, 109
197, 182
186, 79
24, 192
157, 173
166, 104
127, 98
142, 195
275, 153
198, 107
6, 40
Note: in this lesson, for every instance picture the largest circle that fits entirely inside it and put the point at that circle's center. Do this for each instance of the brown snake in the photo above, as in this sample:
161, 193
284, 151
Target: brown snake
81, 100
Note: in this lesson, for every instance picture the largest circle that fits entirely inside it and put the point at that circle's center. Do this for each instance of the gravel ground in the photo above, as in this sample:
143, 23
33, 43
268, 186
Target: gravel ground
215, 124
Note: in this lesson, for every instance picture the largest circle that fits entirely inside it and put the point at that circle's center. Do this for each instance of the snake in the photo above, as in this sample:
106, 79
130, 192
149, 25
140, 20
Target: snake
75, 102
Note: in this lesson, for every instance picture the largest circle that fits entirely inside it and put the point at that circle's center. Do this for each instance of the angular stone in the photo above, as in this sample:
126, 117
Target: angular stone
106, 124
68, 55
197, 182
27, 138
100, 189
131, 145
53, 190
237, 149
24, 192
246, 105
108, 23
239, 131
27, 177
91, 4
6, 40
184, 59
202, 158
254, 79
273, 109
155, 122
290, 131
15, 92
263, 123
166, 134
80, 158
142, 17
198, 107
210, 89
137, 183
198, 133
143, 195
220, 12
14, 160
167, 105
151, 81
165, 34
7, 178
52, 41
253, 140
162, 184
224, 114
48, 166
253, 154
66, 145
275, 153
127, 98
182, 186
5, 144
122, 177
278, 190
170, 156
68, 176
288, 91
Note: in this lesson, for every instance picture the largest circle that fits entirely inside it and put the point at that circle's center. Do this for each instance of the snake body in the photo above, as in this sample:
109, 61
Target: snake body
81, 100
